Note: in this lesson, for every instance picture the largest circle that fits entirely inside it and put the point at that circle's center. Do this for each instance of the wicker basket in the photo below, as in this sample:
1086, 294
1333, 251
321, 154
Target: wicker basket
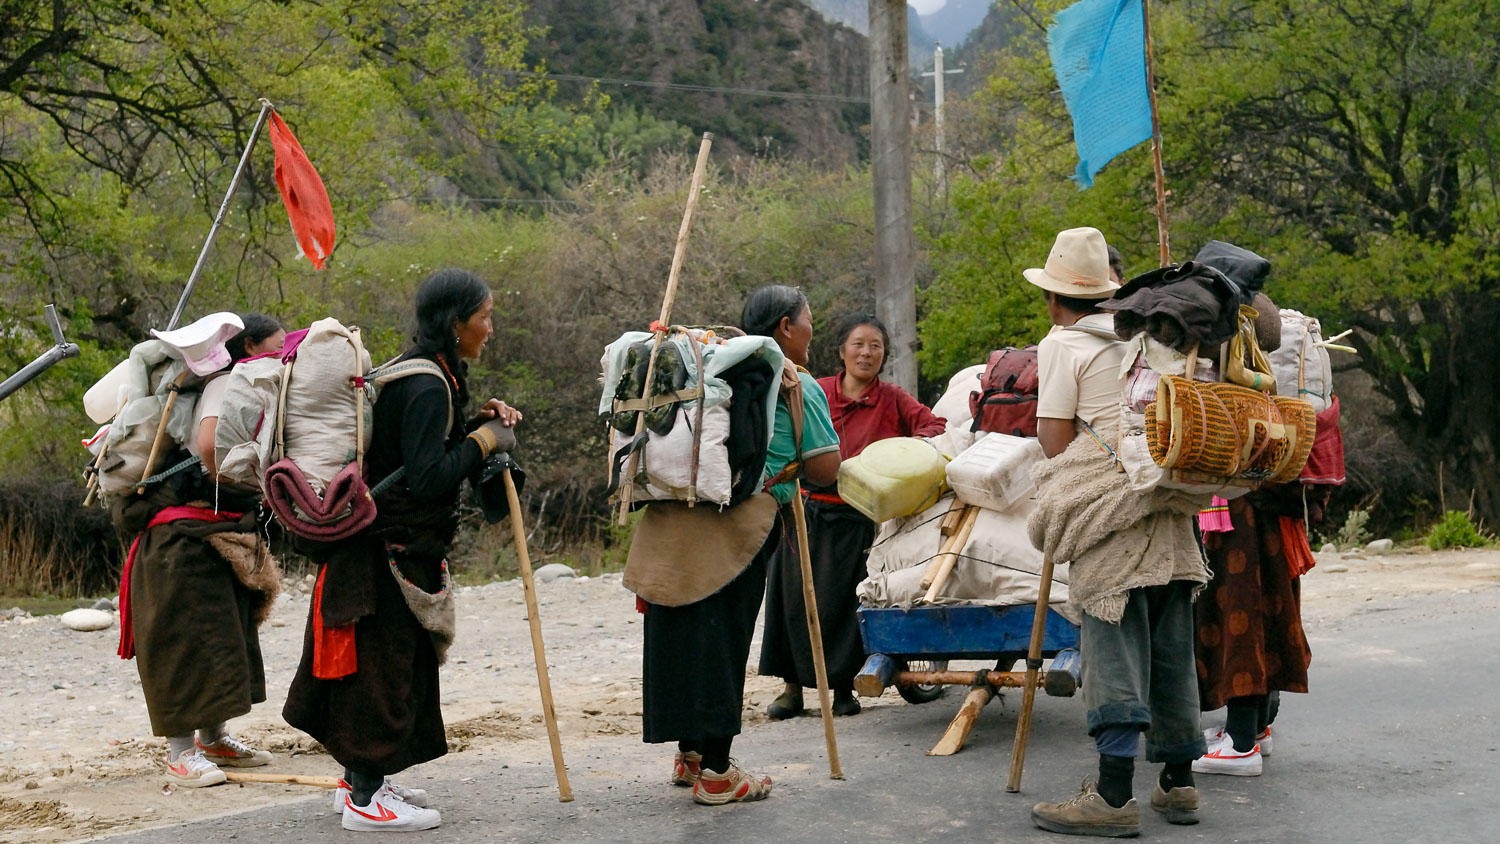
1227, 431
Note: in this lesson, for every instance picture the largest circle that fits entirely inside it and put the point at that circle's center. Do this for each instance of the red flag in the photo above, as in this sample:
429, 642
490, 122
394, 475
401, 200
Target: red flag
306, 199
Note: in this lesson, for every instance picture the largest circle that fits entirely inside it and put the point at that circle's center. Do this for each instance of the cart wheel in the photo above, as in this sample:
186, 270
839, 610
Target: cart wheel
921, 692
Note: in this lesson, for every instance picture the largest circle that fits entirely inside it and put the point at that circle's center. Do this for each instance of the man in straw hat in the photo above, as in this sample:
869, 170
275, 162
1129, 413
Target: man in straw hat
1135, 563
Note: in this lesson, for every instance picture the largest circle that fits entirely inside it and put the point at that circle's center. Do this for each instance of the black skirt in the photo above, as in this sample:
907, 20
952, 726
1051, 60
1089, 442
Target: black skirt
385, 717
839, 538
695, 657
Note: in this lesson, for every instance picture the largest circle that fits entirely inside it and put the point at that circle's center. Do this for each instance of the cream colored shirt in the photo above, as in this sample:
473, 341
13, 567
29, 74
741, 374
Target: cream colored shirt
1079, 374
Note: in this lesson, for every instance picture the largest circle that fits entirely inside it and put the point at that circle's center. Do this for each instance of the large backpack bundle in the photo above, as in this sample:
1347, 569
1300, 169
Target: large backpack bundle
298, 428
140, 388
1301, 363
1006, 400
710, 409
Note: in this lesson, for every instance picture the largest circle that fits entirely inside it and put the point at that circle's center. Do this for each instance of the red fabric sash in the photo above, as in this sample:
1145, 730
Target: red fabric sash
333, 647
126, 649
1299, 555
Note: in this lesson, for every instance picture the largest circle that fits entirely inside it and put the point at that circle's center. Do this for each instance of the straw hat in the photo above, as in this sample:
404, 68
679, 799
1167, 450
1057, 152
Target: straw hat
1077, 266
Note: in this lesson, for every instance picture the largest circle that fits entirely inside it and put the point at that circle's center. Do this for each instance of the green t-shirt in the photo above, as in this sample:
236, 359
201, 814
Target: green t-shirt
818, 436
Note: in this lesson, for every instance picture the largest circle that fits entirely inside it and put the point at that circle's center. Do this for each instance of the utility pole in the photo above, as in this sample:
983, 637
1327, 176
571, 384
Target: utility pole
890, 151
937, 73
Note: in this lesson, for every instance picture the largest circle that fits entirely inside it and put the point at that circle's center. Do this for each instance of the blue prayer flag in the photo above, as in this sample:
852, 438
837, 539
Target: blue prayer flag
1098, 50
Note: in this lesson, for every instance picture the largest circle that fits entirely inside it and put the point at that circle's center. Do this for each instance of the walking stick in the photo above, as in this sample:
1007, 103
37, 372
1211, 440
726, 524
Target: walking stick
564, 790
161, 429
283, 779
815, 634
1033, 668
627, 480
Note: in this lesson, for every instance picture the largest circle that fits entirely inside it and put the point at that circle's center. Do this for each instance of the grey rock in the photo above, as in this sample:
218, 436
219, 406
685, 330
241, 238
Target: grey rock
553, 571
104, 605
1328, 548
1336, 568
1381, 546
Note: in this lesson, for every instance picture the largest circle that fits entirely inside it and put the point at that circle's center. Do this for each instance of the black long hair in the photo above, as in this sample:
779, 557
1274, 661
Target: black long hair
853, 321
257, 328
444, 298
767, 306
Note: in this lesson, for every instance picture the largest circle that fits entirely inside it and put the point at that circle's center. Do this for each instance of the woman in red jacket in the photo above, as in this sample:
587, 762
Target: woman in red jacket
864, 409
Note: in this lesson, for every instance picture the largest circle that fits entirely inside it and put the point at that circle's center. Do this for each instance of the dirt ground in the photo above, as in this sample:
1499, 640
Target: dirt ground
77, 759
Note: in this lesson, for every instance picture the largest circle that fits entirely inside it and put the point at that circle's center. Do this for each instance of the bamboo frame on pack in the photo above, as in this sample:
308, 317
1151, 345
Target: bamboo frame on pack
1033, 668
538, 650
815, 633
627, 481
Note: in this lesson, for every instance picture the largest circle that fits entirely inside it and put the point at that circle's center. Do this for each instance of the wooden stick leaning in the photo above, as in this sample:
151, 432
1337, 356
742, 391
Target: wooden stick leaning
538, 650
627, 481
943, 565
1033, 667
161, 430
815, 633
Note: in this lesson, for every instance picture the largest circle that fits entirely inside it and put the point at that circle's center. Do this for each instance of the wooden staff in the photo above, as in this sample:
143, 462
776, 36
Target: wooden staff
282, 779
951, 519
564, 790
1163, 239
627, 482
815, 633
1033, 666
161, 430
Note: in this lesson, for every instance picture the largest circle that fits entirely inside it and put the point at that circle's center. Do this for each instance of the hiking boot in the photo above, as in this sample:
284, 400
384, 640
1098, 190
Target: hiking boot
786, 705
193, 770
845, 703
686, 767
733, 786
414, 796
230, 752
388, 813
1212, 734
1179, 806
1087, 813
1222, 758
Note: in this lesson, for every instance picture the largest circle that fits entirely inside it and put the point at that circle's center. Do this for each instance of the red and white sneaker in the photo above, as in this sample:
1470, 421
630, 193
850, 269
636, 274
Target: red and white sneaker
414, 796
733, 786
230, 752
388, 813
193, 770
1222, 758
686, 767
1212, 734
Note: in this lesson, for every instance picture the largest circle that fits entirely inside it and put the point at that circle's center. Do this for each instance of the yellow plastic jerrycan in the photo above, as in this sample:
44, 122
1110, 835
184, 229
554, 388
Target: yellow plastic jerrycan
893, 478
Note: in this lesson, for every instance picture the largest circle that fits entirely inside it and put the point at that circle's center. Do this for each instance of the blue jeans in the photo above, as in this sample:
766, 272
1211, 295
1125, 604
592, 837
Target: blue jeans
1141, 676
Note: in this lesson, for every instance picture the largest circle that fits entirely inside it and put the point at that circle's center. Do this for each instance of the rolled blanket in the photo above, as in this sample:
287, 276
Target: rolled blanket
1115, 538
343, 510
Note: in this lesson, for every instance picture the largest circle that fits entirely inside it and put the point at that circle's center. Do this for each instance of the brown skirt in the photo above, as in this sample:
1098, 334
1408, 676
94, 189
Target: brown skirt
1249, 619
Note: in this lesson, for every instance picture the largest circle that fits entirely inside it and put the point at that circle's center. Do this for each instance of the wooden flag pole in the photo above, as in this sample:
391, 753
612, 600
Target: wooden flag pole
1163, 237
627, 481
815, 633
538, 650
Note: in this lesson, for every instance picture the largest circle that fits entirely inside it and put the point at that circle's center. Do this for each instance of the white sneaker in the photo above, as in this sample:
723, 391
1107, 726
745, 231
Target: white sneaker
413, 796
388, 813
193, 770
1222, 758
1212, 734
230, 752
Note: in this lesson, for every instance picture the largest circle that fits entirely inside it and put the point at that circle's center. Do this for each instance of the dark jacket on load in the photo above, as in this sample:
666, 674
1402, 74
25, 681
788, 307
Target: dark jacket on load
1192, 303
385, 717
196, 647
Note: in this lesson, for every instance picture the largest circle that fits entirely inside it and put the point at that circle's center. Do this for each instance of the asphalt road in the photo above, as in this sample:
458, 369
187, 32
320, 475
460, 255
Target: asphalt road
1396, 743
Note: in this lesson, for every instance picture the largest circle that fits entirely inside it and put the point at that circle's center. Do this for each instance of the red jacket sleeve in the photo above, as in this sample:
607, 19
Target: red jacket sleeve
917, 420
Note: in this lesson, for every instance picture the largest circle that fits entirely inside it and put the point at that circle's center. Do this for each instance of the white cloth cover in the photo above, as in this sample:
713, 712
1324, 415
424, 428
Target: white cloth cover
322, 404
246, 433
151, 372
998, 567
1300, 336
668, 460
954, 407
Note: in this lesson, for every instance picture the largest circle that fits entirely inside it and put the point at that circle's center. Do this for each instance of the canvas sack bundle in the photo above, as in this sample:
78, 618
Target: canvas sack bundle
245, 437
1301, 365
140, 388
1005, 402
686, 451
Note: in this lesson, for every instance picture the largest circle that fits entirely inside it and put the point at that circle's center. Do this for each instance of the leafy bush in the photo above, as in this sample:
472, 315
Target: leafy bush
1353, 534
1456, 530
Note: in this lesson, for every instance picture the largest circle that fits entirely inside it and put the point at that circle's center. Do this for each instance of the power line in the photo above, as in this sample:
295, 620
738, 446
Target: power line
712, 89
